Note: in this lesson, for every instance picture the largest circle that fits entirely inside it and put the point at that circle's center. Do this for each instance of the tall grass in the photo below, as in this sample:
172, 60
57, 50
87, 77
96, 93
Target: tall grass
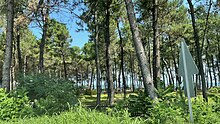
78, 115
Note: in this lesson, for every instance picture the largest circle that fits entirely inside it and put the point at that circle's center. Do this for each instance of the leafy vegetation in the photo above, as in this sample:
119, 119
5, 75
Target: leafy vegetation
172, 109
49, 95
14, 104
79, 116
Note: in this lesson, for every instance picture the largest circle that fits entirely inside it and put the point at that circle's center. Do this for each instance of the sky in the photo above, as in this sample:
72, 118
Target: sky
78, 38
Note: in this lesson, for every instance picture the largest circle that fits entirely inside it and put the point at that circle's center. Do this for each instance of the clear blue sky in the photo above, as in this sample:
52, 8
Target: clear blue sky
79, 38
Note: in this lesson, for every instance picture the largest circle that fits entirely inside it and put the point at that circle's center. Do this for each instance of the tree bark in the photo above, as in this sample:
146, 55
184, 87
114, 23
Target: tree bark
108, 56
156, 46
8, 48
198, 51
122, 59
147, 80
91, 79
132, 71
20, 68
64, 65
43, 39
96, 40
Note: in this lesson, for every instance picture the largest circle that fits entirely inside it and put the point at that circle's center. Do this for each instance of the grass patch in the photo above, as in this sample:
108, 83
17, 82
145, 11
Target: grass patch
90, 100
78, 116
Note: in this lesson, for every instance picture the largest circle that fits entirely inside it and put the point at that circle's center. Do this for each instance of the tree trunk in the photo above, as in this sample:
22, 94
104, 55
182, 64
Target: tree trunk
156, 46
132, 71
91, 79
43, 39
20, 68
213, 69
218, 60
149, 56
147, 80
122, 59
119, 80
198, 51
96, 40
64, 65
108, 57
8, 47
208, 64
77, 78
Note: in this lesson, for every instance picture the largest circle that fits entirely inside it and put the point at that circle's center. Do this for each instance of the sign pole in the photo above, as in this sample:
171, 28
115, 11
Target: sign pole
187, 83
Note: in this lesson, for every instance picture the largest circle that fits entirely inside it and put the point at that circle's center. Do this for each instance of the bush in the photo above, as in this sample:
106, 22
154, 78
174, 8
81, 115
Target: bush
50, 95
14, 104
171, 108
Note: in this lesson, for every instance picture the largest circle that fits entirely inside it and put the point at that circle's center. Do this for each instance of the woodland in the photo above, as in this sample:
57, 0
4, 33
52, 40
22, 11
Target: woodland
127, 71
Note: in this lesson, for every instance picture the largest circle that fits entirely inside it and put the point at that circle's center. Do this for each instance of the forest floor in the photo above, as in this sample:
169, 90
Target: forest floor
90, 100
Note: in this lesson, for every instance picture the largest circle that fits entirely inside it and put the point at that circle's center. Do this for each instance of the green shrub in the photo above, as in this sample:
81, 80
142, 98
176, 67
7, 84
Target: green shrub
14, 104
204, 112
172, 109
50, 95
139, 105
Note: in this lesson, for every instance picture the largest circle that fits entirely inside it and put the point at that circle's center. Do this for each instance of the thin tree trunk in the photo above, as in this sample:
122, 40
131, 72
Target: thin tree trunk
77, 79
149, 56
147, 80
218, 60
198, 51
213, 69
19, 51
13, 64
8, 47
87, 74
64, 65
208, 64
43, 39
108, 56
91, 79
206, 24
132, 72
156, 46
98, 85
122, 59
119, 80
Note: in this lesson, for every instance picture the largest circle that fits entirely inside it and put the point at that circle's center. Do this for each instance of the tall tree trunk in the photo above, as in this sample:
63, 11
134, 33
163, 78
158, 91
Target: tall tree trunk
198, 51
108, 56
43, 39
8, 47
13, 64
91, 79
149, 55
64, 65
98, 72
122, 59
20, 68
132, 71
213, 69
218, 60
77, 78
208, 64
156, 46
87, 74
115, 74
147, 80
119, 80
206, 24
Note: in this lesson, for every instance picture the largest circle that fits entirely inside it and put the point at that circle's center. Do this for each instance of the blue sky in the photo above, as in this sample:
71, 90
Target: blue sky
79, 38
